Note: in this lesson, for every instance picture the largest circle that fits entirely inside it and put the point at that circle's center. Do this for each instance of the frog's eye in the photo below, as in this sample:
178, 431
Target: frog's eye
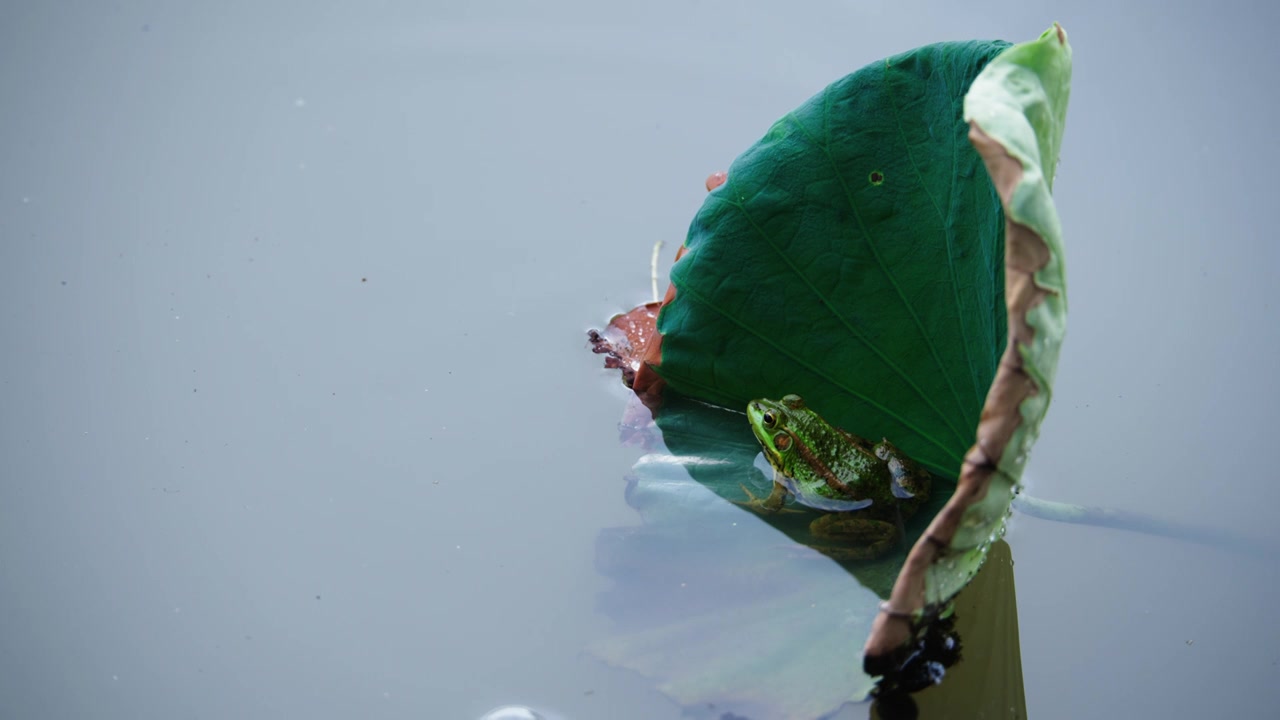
769, 419
782, 442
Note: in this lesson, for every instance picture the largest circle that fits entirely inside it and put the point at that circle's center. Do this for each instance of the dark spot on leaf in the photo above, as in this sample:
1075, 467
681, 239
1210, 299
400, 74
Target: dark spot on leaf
876, 177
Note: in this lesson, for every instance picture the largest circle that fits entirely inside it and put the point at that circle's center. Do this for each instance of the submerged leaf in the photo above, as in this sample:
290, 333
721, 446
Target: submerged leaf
721, 607
718, 605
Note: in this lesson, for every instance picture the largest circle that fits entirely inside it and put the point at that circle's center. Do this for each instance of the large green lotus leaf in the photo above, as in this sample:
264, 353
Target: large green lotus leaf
855, 257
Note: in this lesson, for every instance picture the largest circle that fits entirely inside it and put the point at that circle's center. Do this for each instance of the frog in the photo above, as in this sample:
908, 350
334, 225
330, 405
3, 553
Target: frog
865, 489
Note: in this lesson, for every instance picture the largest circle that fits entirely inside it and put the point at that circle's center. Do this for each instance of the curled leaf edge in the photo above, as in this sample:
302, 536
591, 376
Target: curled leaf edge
1027, 253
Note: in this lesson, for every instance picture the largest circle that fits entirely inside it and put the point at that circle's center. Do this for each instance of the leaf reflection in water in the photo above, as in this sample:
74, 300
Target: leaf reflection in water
720, 606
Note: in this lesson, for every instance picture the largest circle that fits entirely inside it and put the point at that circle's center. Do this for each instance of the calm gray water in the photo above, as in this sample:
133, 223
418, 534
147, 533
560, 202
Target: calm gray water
297, 418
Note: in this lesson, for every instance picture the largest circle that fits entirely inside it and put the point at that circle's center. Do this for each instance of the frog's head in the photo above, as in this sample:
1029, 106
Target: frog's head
771, 421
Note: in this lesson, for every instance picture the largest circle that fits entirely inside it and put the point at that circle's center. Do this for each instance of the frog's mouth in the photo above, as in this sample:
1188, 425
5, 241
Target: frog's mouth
771, 452
768, 440
755, 412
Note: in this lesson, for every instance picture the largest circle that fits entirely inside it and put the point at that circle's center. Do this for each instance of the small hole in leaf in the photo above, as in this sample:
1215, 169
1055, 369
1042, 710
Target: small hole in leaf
876, 177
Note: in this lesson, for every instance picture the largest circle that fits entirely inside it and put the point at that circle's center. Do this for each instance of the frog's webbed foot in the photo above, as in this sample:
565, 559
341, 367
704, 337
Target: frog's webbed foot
855, 553
857, 538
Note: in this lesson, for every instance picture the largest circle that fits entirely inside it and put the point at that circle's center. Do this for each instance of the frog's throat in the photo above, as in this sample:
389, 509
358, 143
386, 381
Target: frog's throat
775, 459
820, 468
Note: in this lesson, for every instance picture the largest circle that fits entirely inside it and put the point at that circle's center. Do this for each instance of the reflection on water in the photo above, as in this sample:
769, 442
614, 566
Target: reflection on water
982, 635
721, 607
514, 712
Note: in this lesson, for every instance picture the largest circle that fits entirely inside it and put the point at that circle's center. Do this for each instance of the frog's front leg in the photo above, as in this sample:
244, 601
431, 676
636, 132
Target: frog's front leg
910, 480
859, 538
771, 504
776, 501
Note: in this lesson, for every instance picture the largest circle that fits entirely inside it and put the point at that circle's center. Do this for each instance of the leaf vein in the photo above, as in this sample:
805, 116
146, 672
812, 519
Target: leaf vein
947, 234
781, 350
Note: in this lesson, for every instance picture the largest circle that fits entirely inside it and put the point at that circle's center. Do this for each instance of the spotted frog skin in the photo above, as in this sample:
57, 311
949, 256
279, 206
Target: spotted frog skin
866, 489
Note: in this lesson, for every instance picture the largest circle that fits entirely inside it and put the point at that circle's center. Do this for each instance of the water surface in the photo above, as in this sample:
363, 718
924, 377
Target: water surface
297, 414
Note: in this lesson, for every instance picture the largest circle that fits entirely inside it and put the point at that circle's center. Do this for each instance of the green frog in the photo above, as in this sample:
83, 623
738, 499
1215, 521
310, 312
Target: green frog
866, 489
